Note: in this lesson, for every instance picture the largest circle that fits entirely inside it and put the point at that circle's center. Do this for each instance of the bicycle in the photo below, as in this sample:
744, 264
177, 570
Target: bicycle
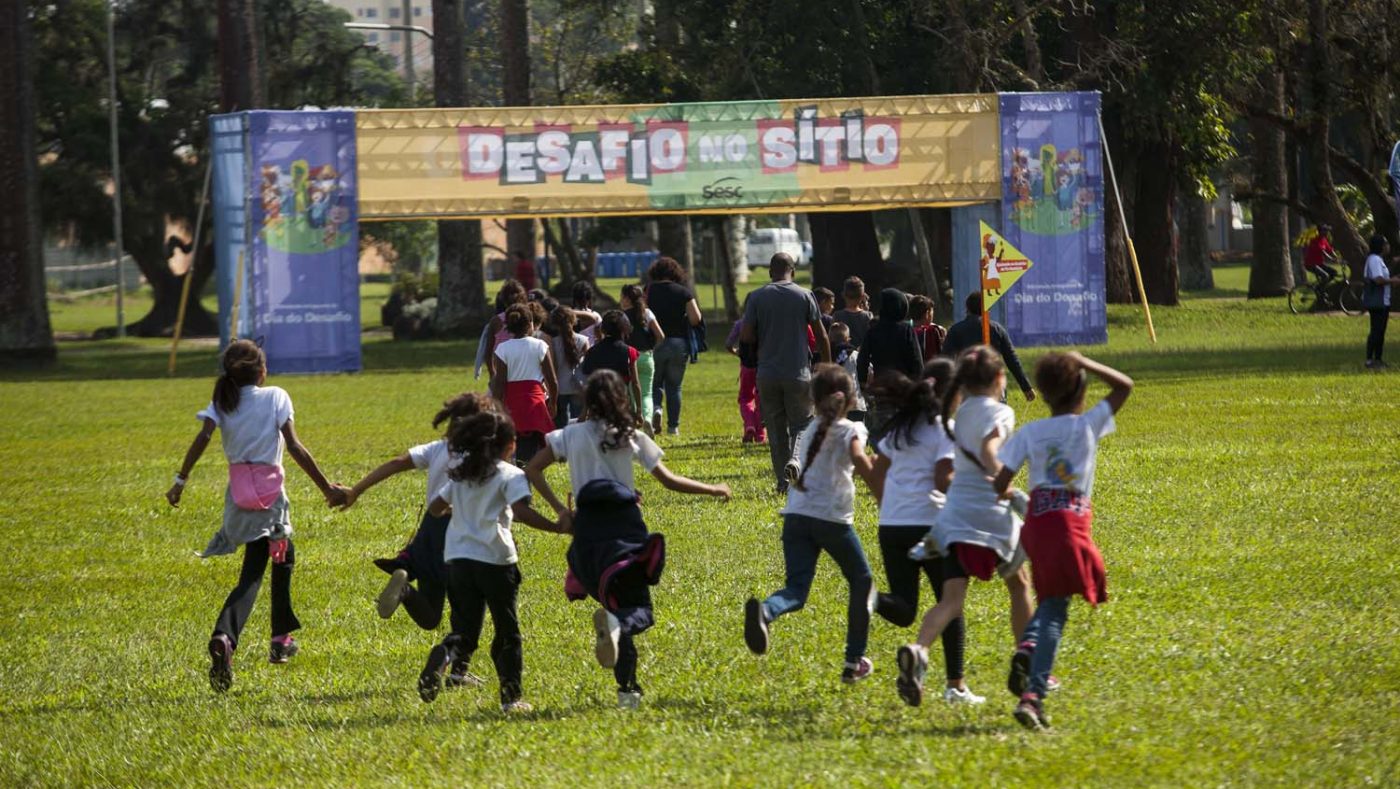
1322, 295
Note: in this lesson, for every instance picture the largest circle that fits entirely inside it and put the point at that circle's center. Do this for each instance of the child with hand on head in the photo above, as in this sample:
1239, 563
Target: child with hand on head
914, 461
422, 559
255, 422
485, 494
613, 558
523, 377
1057, 536
818, 517
612, 352
977, 532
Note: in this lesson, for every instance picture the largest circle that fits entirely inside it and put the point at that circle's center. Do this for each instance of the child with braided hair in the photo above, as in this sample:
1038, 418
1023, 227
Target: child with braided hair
818, 517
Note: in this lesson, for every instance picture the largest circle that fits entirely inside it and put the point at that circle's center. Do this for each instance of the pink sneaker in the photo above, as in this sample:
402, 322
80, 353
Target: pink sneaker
857, 671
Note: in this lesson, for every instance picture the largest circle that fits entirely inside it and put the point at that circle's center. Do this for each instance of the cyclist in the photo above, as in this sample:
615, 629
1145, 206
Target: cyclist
1318, 254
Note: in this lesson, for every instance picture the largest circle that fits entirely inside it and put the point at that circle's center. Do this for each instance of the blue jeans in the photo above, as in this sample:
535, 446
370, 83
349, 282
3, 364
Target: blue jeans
804, 539
671, 358
1044, 631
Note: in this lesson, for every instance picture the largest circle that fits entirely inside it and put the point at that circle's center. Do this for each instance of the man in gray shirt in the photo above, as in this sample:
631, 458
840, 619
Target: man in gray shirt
777, 317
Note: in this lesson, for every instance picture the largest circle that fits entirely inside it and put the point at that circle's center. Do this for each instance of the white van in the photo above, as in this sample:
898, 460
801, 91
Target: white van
765, 243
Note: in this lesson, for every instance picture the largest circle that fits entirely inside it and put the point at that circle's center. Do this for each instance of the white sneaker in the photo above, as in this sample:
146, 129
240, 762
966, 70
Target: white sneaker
606, 626
962, 696
629, 699
392, 595
517, 707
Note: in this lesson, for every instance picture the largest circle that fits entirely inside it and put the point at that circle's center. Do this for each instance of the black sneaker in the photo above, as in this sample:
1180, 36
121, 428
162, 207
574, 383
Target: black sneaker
1030, 712
913, 663
1019, 677
220, 663
283, 648
755, 626
460, 677
430, 681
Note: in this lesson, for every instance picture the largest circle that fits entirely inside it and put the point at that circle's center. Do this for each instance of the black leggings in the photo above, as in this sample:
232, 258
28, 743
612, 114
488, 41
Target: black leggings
239, 603
901, 606
1375, 341
526, 445
473, 587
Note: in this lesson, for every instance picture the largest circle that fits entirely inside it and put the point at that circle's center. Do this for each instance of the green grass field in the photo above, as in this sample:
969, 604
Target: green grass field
1246, 510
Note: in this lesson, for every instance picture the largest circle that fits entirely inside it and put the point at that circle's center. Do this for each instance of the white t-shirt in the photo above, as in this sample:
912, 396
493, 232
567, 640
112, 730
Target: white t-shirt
481, 516
433, 456
580, 445
972, 512
1375, 267
910, 498
831, 489
253, 432
524, 357
851, 365
1060, 449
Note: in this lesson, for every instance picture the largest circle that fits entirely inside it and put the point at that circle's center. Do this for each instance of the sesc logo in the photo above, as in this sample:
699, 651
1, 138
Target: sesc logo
724, 189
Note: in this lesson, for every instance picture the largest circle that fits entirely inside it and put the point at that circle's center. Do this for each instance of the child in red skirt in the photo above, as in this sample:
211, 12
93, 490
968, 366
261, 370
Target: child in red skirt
523, 378
1057, 535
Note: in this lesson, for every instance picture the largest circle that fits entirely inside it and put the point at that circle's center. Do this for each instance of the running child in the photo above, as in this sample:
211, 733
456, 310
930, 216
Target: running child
818, 517
846, 355
977, 531
523, 378
914, 461
611, 352
750, 412
495, 331
254, 423
484, 494
646, 334
613, 558
1058, 534
567, 347
422, 559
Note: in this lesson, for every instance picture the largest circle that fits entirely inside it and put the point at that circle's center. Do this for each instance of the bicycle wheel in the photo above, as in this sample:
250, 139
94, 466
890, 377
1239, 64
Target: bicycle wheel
1302, 299
1349, 298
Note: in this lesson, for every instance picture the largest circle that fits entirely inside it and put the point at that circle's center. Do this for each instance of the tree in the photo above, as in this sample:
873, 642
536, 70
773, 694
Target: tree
461, 280
515, 92
25, 333
167, 86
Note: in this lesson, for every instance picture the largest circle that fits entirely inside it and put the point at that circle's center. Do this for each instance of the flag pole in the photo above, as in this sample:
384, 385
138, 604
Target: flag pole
1123, 220
189, 273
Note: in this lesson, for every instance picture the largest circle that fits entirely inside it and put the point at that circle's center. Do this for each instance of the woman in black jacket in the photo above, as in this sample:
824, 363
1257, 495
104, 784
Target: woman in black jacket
889, 347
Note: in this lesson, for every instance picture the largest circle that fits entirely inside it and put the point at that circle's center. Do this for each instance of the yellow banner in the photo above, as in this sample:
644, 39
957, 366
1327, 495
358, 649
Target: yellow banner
721, 157
1002, 265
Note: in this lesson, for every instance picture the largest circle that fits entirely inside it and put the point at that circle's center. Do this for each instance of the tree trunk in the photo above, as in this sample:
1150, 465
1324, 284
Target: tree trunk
461, 281
240, 61
25, 332
1317, 145
1195, 242
1155, 223
1271, 272
1119, 285
515, 92
730, 227
844, 245
673, 239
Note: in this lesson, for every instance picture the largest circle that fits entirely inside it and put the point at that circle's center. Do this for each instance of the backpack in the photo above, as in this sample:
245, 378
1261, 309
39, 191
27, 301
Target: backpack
931, 339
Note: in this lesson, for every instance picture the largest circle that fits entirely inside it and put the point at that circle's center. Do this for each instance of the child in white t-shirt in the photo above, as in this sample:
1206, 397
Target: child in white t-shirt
421, 559
819, 516
914, 461
613, 558
523, 377
1058, 537
976, 527
254, 421
484, 494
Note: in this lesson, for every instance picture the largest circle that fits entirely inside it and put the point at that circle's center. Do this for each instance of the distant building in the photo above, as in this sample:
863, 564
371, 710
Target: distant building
391, 42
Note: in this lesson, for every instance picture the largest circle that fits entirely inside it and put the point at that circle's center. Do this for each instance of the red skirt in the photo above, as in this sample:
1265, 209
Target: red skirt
1059, 541
527, 402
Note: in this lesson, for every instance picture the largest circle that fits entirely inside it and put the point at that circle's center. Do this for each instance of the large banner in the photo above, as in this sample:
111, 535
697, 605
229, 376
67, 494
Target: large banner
303, 276
721, 157
1053, 212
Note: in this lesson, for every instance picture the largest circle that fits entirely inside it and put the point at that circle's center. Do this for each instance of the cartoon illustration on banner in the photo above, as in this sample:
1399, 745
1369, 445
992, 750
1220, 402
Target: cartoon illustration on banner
1002, 265
1052, 193
305, 208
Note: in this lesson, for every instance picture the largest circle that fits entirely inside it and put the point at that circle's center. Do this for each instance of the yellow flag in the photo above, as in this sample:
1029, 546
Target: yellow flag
1002, 265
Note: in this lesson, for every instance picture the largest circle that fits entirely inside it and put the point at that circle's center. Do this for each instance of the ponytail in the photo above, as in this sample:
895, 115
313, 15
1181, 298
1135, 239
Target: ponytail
834, 391
462, 406
561, 320
918, 404
242, 364
478, 442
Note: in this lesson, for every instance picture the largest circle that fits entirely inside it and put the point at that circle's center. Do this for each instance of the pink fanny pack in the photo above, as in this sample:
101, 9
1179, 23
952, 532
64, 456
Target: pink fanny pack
254, 486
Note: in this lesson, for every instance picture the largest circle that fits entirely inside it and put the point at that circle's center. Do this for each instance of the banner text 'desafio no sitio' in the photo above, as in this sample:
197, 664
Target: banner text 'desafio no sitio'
719, 157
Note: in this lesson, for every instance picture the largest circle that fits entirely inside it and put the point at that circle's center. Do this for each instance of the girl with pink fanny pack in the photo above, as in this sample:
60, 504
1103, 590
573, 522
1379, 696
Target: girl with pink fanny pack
254, 423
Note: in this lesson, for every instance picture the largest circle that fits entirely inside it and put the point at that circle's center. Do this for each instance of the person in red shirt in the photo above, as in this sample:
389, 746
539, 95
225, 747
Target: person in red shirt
525, 270
1318, 254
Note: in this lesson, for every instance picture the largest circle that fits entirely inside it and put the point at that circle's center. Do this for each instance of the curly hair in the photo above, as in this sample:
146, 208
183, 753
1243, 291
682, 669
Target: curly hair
615, 325
511, 292
538, 314
479, 441
605, 400
243, 364
978, 368
666, 269
833, 391
1061, 380
518, 320
462, 406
